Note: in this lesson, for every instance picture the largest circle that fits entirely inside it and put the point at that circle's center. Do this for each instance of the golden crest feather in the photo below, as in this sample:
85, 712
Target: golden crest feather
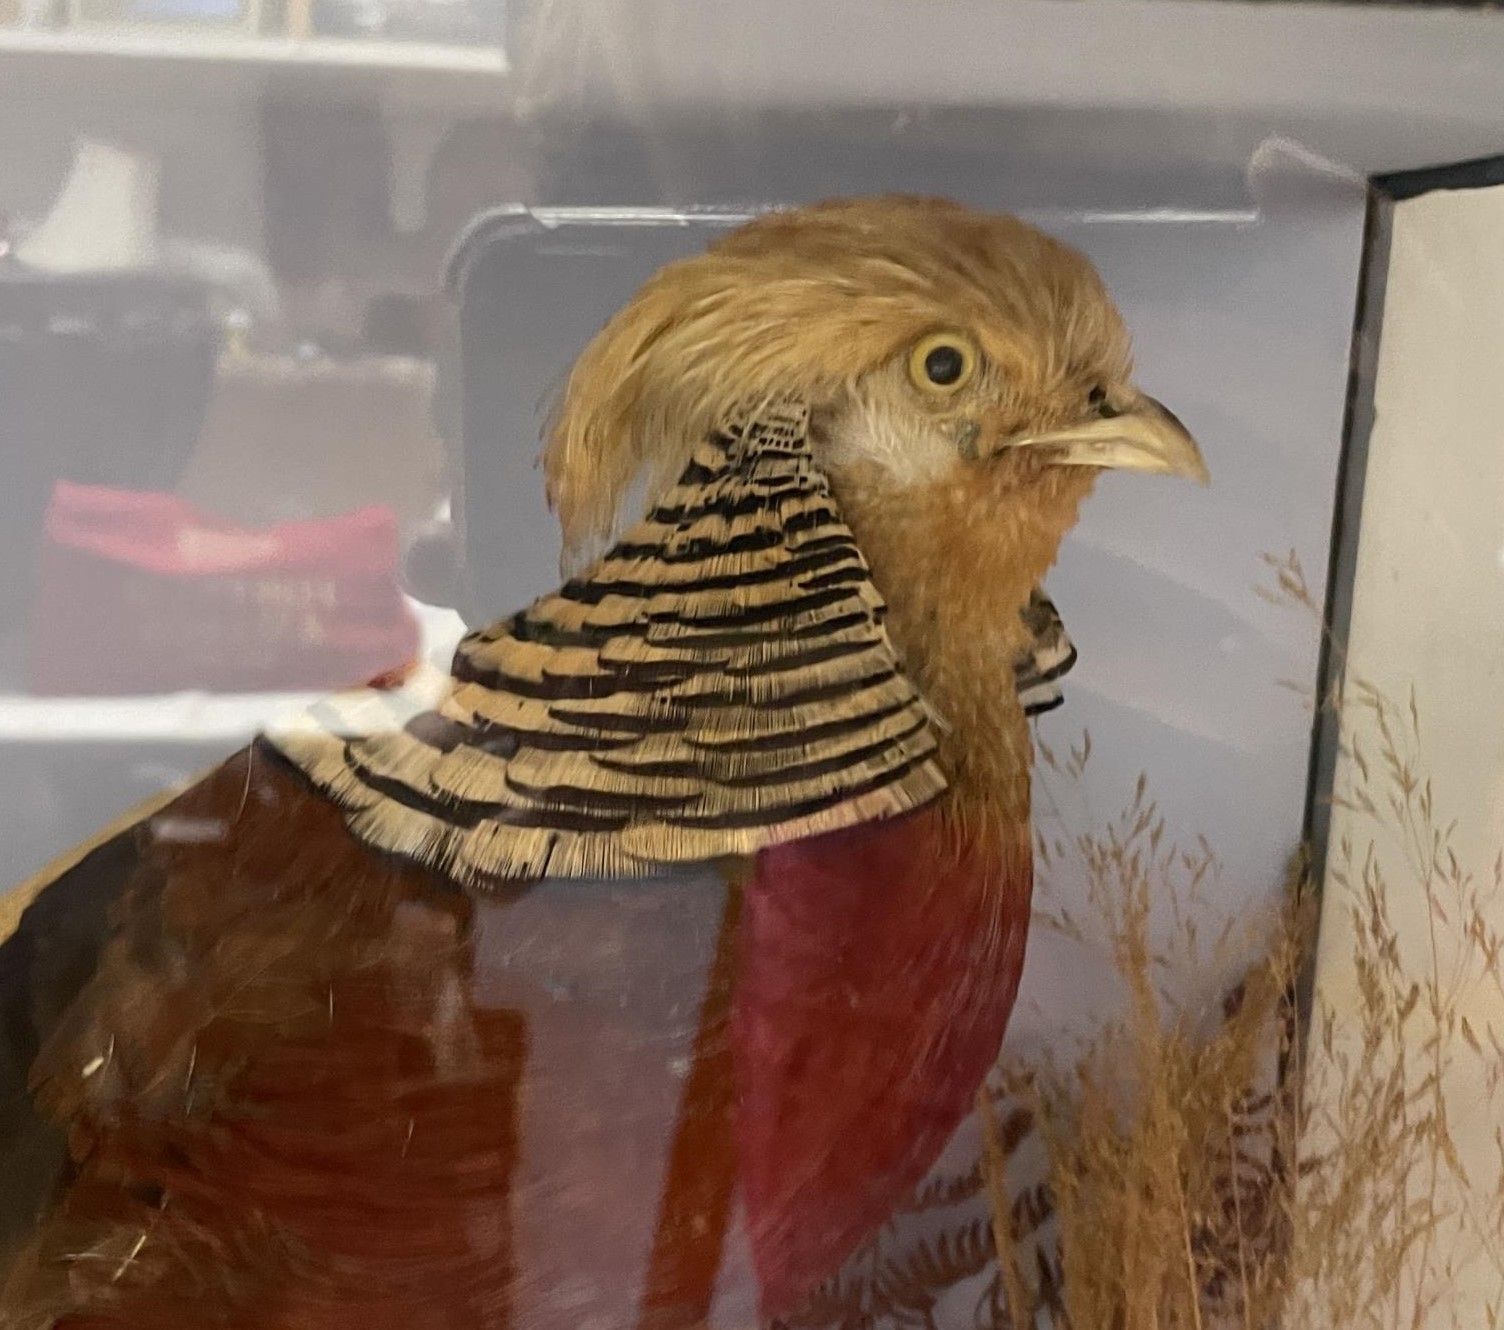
797, 306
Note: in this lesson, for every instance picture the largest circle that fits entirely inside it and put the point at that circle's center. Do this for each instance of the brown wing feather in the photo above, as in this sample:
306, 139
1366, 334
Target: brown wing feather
295, 1088
237, 1080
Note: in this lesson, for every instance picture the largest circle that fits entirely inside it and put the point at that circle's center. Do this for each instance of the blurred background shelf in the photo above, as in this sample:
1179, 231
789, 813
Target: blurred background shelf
65, 763
179, 47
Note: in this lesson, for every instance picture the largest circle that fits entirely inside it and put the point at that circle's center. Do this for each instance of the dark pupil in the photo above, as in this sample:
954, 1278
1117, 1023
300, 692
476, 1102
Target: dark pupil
943, 365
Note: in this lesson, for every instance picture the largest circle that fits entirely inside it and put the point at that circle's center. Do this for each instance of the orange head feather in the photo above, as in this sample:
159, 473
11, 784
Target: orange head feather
805, 304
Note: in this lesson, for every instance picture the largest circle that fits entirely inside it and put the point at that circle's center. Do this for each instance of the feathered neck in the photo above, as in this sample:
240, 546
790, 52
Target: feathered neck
956, 561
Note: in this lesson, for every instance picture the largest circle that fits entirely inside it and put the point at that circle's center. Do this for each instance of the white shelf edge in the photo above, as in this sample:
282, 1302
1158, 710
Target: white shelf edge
125, 44
191, 718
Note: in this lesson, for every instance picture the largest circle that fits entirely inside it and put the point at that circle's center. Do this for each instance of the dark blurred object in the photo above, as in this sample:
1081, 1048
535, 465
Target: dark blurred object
458, 22
326, 184
306, 436
349, 18
433, 565
464, 22
396, 324
141, 593
105, 379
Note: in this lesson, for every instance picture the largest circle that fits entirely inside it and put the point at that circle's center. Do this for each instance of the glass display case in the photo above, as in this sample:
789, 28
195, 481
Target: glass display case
288, 294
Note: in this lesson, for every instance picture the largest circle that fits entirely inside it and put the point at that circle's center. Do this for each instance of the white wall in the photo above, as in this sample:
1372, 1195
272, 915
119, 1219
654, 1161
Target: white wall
1428, 616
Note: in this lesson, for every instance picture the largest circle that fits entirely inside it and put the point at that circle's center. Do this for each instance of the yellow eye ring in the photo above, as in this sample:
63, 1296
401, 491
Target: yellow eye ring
942, 363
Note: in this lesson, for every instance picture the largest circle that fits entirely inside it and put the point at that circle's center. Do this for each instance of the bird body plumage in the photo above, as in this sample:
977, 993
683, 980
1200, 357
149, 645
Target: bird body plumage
300, 1089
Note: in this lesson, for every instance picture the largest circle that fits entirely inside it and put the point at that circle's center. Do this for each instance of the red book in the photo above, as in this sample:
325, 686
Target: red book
141, 593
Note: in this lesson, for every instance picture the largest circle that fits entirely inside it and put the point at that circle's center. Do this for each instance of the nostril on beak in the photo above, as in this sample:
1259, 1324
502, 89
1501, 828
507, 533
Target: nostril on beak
1097, 400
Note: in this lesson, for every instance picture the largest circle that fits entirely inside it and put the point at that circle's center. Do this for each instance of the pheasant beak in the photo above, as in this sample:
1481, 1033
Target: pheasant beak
1144, 435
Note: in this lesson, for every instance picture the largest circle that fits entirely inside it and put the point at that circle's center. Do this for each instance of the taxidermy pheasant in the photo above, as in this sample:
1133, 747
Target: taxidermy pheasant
423, 1026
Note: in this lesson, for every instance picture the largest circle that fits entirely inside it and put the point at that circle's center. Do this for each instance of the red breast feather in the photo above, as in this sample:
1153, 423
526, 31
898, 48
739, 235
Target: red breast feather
878, 969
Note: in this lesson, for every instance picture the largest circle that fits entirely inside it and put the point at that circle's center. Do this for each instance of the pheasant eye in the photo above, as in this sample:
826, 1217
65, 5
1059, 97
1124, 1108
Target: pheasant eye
942, 363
